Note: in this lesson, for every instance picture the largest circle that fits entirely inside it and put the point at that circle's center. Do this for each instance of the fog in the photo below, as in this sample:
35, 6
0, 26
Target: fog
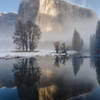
56, 23
7, 28
6, 40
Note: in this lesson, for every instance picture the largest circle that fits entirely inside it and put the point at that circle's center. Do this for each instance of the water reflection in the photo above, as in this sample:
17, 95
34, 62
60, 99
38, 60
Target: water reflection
27, 76
96, 64
61, 60
36, 84
39, 79
77, 62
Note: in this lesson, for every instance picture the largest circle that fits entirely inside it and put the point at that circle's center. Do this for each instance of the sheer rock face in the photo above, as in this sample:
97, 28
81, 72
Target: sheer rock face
7, 22
7, 28
58, 19
28, 10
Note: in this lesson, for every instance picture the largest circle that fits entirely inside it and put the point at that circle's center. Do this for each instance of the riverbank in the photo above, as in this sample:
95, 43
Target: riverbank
12, 54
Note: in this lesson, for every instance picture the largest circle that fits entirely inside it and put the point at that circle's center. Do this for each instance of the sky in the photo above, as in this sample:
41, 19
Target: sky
9, 5
92, 4
13, 5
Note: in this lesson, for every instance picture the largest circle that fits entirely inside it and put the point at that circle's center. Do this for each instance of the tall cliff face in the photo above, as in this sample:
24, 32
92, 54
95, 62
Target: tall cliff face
7, 23
58, 19
7, 28
28, 10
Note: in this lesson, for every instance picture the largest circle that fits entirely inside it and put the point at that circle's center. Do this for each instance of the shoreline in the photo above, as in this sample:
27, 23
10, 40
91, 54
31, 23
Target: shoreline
9, 55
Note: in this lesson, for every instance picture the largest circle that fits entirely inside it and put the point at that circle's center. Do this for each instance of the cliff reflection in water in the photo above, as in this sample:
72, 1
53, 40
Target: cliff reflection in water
36, 82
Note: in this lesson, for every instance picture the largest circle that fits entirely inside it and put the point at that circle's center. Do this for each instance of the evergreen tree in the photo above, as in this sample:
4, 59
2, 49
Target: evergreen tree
98, 30
92, 44
97, 39
77, 42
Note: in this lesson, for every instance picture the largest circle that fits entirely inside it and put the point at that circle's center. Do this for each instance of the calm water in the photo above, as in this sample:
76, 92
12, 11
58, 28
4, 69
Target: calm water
50, 78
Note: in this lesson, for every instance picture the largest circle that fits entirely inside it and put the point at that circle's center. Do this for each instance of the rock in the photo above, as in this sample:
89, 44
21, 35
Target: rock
58, 19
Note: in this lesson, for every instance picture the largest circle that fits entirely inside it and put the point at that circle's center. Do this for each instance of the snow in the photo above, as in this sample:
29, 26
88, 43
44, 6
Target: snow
31, 54
2, 13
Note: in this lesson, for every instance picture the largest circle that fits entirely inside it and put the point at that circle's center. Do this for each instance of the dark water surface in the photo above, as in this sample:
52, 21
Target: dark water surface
50, 78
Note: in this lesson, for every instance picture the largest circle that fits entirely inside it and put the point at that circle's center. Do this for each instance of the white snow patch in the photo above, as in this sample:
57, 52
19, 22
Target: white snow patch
9, 55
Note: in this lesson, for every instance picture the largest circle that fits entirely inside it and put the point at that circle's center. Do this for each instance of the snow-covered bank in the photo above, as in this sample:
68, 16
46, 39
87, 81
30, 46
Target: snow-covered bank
31, 54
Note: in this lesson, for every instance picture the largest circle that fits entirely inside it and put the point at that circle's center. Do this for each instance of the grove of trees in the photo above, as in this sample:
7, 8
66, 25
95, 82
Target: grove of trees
60, 47
77, 44
26, 36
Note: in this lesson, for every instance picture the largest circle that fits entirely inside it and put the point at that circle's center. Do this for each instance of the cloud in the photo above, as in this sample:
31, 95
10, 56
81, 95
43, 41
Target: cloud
84, 2
79, 2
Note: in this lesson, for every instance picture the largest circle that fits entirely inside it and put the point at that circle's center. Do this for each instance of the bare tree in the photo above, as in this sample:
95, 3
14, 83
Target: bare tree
60, 47
64, 47
26, 36
57, 46
33, 35
19, 36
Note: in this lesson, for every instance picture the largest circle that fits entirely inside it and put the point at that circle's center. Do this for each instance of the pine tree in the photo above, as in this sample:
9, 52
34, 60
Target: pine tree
77, 42
97, 39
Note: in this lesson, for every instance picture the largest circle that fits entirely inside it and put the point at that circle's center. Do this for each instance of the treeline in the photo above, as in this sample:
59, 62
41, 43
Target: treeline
60, 47
77, 44
26, 36
95, 41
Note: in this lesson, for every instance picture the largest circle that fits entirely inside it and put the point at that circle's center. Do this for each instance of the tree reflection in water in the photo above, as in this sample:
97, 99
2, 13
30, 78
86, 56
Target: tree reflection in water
27, 76
32, 87
96, 63
60, 60
77, 62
